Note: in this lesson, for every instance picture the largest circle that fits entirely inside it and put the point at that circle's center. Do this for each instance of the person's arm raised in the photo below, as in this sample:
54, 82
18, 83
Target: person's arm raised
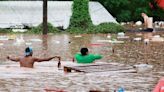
13, 59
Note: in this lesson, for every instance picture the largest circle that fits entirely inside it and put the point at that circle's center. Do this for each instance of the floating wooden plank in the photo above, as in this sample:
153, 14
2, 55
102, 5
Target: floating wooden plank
99, 68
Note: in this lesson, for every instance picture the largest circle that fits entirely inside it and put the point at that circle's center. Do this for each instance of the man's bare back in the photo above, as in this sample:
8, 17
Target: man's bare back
28, 61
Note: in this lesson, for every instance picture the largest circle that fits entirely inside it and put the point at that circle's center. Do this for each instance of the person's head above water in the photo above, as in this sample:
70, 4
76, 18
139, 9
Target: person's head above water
28, 51
143, 14
84, 51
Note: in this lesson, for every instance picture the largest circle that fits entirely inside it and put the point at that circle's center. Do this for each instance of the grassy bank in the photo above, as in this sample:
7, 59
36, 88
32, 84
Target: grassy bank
102, 28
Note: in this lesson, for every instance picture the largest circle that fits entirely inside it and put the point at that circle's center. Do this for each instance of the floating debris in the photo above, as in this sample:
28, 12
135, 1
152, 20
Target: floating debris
143, 67
28, 43
4, 38
110, 41
137, 39
157, 38
138, 23
121, 35
57, 42
109, 36
36, 40
122, 23
140, 28
77, 36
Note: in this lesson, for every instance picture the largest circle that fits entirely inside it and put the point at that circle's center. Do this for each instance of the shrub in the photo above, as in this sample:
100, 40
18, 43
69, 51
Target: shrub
102, 28
107, 28
3, 30
39, 29
80, 17
130, 10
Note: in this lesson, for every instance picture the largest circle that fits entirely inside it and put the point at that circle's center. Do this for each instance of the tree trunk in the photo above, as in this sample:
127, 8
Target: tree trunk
45, 27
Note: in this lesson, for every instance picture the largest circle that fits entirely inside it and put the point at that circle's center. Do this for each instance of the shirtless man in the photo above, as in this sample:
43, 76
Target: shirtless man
148, 23
28, 61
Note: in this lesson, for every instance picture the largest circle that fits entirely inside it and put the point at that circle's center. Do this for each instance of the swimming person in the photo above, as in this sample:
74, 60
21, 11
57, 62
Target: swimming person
85, 57
28, 61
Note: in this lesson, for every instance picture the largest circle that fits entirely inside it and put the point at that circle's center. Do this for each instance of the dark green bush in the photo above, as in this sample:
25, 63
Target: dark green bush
80, 17
130, 10
106, 28
39, 29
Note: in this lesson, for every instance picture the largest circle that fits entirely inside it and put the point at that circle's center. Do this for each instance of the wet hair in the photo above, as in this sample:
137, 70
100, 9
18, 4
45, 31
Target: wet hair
84, 51
28, 51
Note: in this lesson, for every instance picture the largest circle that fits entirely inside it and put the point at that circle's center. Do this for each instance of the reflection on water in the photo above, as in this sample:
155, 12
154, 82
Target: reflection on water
46, 74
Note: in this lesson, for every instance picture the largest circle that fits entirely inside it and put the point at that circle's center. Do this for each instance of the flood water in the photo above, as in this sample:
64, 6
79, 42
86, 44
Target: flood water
47, 75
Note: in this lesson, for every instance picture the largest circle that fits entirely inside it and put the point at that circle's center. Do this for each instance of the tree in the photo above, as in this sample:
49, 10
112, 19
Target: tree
45, 27
80, 17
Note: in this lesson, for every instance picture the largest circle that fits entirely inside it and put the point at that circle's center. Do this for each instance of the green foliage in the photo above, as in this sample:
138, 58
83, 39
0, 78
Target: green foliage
130, 10
3, 30
102, 28
106, 28
39, 29
124, 16
80, 17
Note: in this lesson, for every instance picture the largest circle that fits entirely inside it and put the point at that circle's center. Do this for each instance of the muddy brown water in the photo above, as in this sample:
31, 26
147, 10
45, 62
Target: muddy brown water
46, 74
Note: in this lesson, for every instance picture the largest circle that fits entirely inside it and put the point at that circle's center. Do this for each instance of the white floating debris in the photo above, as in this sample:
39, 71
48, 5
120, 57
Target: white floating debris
138, 23
19, 30
4, 38
57, 42
109, 36
36, 40
28, 43
137, 39
140, 28
77, 36
122, 23
110, 41
121, 34
157, 38
143, 67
